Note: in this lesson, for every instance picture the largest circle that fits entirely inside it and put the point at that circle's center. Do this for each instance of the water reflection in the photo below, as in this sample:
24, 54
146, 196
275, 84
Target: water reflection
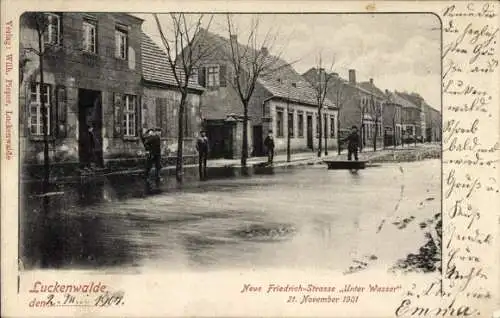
110, 221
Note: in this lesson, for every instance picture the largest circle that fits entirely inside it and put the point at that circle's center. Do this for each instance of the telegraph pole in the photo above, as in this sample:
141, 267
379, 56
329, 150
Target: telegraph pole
288, 155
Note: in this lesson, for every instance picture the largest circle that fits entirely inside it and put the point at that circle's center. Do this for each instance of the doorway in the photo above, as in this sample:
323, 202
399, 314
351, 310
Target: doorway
310, 132
90, 128
258, 149
220, 139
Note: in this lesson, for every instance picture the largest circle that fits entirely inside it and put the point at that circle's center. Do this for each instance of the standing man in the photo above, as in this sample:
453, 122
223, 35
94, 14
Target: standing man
152, 145
202, 147
92, 145
353, 144
269, 143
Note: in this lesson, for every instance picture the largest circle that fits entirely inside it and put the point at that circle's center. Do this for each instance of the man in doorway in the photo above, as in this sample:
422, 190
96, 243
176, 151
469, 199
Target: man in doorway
353, 144
92, 145
202, 148
152, 145
269, 144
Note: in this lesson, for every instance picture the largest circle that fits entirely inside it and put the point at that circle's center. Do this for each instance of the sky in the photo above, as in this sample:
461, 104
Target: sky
399, 51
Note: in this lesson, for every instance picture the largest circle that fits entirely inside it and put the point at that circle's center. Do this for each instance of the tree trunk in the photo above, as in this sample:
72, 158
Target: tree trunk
46, 159
394, 135
288, 137
180, 139
45, 222
326, 139
320, 130
375, 136
338, 134
244, 149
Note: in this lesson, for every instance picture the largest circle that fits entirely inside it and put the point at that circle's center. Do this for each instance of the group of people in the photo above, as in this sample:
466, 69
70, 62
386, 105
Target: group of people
353, 142
152, 144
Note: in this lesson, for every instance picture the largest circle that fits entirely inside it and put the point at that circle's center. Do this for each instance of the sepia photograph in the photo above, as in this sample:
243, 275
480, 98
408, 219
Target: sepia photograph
203, 142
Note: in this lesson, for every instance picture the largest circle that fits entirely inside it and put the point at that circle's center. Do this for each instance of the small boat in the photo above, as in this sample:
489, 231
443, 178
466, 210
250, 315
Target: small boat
345, 164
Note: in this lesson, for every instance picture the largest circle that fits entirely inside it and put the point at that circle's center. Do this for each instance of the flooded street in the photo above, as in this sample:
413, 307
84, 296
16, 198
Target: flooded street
305, 217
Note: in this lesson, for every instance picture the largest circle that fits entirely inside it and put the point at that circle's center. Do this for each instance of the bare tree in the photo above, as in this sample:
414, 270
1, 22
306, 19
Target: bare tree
364, 110
339, 100
184, 50
39, 22
375, 111
250, 62
321, 88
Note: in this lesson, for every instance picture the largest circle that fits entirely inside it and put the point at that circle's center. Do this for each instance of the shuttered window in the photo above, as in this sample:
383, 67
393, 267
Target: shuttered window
35, 108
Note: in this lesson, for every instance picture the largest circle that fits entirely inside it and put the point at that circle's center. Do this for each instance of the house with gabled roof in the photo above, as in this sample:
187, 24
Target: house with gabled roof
393, 119
359, 104
413, 120
161, 99
91, 91
283, 102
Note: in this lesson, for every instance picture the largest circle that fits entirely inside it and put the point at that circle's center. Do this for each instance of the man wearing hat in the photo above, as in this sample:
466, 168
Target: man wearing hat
202, 148
152, 145
269, 144
353, 143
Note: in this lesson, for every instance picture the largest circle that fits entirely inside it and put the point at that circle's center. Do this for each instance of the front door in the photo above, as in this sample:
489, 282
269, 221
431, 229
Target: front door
257, 141
309, 132
90, 128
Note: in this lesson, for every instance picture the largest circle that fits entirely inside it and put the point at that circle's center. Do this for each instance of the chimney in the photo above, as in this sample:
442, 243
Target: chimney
371, 81
352, 76
264, 51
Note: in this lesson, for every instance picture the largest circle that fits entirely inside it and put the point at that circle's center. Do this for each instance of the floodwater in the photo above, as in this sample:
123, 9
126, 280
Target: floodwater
301, 217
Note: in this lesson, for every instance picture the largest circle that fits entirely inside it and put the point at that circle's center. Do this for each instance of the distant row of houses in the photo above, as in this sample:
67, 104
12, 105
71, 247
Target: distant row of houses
105, 72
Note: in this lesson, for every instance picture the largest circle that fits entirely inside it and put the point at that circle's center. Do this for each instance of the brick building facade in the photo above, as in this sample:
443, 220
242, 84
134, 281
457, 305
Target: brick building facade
358, 104
393, 119
413, 117
92, 76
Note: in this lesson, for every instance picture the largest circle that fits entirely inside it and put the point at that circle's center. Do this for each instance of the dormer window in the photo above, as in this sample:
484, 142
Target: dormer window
294, 84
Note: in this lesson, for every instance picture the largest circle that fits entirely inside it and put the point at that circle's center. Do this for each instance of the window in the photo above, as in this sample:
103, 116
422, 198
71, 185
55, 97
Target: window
121, 41
301, 124
129, 116
332, 126
52, 34
291, 124
380, 129
89, 36
35, 109
279, 123
213, 76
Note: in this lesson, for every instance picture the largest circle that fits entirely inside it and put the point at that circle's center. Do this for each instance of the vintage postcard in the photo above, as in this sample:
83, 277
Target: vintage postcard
250, 158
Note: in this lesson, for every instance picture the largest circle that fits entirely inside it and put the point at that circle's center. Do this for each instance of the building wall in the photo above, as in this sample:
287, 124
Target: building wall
299, 143
160, 110
436, 122
71, 69
392, 119
411, 117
